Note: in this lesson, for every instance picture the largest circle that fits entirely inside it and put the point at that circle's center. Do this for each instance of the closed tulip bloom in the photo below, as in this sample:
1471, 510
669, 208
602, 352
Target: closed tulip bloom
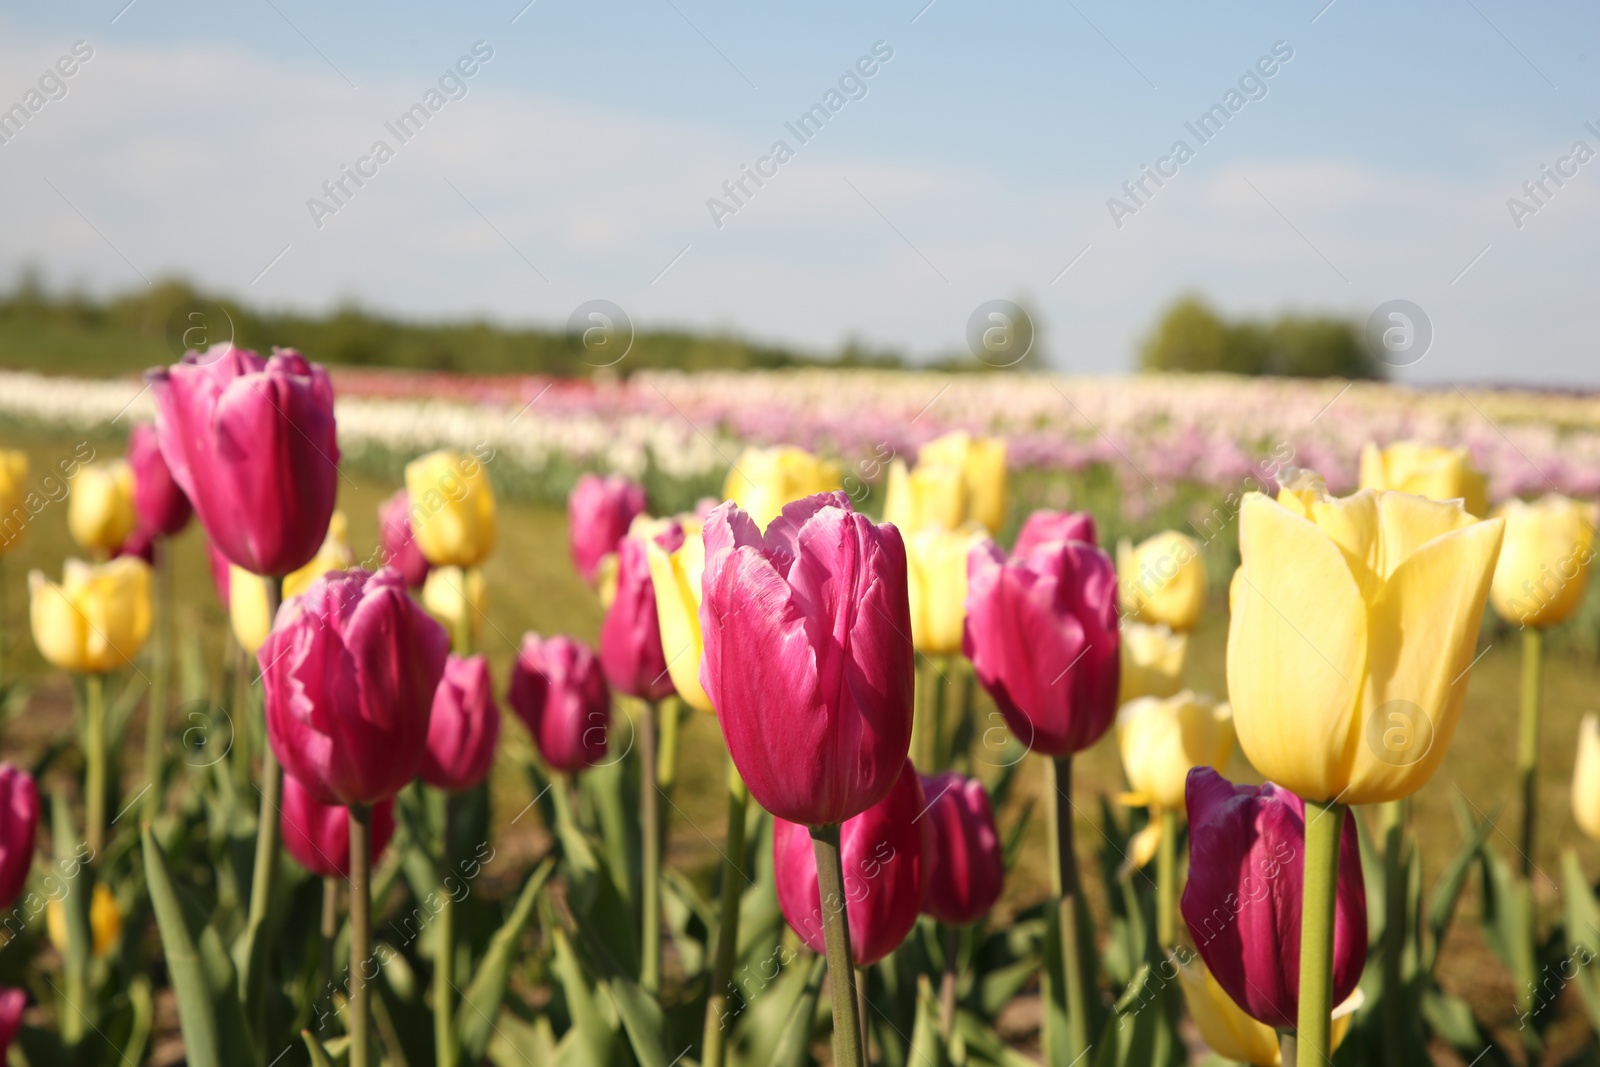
630, 638
100, 507
349, 674
1042, 636
1544, 562
982, 462
936, 573
247, 593
105, 921
1044, 527
1152, 660
158, 501
764, 480
251, 442
221, 579
452, 508
1430, 471
931, 496
1164, 580
1163, 739
1243, 900
13, 1002
19, 824
883, 852
559, 692
400, 549
1355, 622
13, 491
808, 656
464, 727
456, 597
317, 835
1586, 777
599, 512
97, 619
675, 576
966, 865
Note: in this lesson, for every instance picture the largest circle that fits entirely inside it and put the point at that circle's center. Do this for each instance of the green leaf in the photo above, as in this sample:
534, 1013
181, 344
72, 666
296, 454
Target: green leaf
319, 1055
197, 1016
981, 1038
595, 1035
926, 1048
1583, 931
794, 1045
480, 1001
1447, 892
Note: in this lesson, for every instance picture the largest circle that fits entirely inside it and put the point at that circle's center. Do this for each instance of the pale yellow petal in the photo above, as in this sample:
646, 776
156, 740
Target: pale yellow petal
1586, 777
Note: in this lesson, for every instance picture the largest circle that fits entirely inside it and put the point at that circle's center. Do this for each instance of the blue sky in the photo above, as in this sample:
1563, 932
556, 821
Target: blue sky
978, 165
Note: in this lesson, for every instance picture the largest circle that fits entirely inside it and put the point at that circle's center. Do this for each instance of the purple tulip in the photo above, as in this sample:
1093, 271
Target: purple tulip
12, 1003
251, 443
464, 726
318, 835
630, 637
349, 671
808, 656
1042, 635
400, 549
559, 692
599, 512
157, 499
1043, 527
966, 865
19, 822
1243, 900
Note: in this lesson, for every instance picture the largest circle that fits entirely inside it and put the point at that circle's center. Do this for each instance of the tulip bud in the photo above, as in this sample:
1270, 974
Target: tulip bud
1543, 569
764, 480
559, 692
1243, 900
1162, 740
1043, 527
1354, 627
630, 638
456, 598
982, 462
1163, 580
13, 491
105, 921
158, 502
97, 619
318, 835
247, 593
1586, 777
464, 726
599, 512
452, 513
675, 576
1441, 474
936, 575
251, 443
349, 674
931, 496
883, 853
1152, 661
808, 656
1042, 636
13, 1001
400, 549
19, 824
966, 865
100, 507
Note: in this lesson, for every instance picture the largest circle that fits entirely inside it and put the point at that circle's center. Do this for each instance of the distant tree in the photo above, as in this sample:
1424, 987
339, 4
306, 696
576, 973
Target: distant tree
1192, 337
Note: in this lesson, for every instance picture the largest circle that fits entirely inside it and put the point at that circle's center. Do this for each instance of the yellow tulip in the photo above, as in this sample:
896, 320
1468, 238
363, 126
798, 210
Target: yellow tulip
100, 506
1544, 563
1586, 777
1163, 738
13, 490
1437, 473
605, 577
97, 619
1163, 580
1233, 1034
928, 497
982, 461
1355, 622
765, 479
936, 573
1152, 660
105, 921
676, 579
452, 508
454, 596
247, 593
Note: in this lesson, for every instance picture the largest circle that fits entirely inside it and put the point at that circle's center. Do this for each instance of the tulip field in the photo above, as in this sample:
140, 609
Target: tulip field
803, 717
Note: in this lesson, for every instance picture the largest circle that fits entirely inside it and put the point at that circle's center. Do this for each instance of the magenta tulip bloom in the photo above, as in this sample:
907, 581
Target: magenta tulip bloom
1042, 635
19, 822
599, 512
808, 656
318, 835
12, 1003
251, 443
966, 866
400, 549
883, 851
349, 671
464, 726
559, 692
1243, 900
1043, 527
630, 637
141, 544
157, 499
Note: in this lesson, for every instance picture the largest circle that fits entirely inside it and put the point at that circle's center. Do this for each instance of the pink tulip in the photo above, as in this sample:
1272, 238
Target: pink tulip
400, 549
1043, 527
318, 835
630, 637
349, 671
559, 692
141, 544
157, 500
464, 726
221, 578
19, 822
808, 656
599, 512
251, 443
12, 1003
883, 851
1042, 635
1243, 900
966, 867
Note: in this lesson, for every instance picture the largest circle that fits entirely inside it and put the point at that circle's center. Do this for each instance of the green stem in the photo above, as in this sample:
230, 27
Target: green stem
360, 932
847, 1051
650, 835
671, 716
733, 878
155, 727
947, 983
1286, 1047
330, 930
1528, 738
1324, 821
461, 638
265, 873
1166, 878
1064, 876
444, 950
94, 749
922, 715
1395, 922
